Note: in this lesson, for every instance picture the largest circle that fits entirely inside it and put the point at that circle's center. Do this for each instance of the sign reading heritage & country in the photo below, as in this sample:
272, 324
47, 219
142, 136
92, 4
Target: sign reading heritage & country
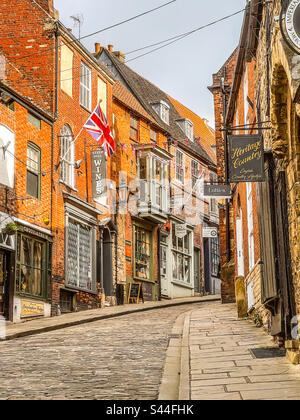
246, 158
98, 163
292, 23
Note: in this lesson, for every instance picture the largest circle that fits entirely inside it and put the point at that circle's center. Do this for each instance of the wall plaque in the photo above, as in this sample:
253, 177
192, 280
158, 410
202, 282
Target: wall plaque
29, 309
246, 158
292, 25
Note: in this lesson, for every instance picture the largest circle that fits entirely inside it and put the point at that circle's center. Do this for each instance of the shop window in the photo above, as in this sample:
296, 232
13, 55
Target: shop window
33, 268
142, 253
67, 156
80, 264
85, 86
182, 256
33, 170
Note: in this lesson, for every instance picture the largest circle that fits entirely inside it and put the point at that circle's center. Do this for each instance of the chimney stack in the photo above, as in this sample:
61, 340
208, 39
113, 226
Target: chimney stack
111, 48
97, 47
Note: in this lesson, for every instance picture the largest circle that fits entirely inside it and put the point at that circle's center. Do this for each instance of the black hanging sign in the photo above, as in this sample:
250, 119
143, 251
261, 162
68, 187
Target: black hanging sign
246, 158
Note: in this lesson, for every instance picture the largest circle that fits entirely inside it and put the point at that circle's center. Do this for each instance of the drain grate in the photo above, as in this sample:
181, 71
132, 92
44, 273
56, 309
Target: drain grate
268, 353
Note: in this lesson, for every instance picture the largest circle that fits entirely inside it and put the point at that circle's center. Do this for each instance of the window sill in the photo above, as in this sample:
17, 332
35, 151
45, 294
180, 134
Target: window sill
86, 109
68, 185
144, 280
78, 290
181, 284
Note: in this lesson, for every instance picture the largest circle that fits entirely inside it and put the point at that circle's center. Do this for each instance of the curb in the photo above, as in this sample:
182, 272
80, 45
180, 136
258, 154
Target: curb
100, 317
184, 384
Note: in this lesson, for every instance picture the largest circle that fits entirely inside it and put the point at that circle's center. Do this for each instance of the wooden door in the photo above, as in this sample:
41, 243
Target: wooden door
3, 284
283, 256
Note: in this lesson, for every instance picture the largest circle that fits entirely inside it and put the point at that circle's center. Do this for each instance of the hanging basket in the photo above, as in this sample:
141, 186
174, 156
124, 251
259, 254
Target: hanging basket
10, 229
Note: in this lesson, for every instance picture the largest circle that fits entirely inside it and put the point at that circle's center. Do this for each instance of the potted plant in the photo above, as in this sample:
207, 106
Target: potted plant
10, 229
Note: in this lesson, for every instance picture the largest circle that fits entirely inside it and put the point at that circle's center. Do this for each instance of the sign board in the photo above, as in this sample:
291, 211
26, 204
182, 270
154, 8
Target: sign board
210, 232
135, 293
246, 158
181, 230
217, 191
30, 309
292, 24
98, 163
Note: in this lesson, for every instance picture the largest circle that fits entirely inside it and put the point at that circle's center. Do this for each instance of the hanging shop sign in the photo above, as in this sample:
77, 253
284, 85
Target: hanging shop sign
246, 158
210, 232
290, 25
217, 191
98, 163
181, 231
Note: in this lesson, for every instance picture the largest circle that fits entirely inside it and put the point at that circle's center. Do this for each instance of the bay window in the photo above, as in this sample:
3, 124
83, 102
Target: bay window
153, 191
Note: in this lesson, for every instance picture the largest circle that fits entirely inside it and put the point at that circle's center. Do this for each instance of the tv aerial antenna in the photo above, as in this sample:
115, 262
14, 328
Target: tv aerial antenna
78, 22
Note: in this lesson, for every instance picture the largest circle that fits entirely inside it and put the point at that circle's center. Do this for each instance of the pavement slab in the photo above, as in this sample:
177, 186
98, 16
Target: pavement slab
222, 365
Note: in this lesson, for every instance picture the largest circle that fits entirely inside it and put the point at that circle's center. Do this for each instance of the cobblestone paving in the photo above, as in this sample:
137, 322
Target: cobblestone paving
120, 358
222, 366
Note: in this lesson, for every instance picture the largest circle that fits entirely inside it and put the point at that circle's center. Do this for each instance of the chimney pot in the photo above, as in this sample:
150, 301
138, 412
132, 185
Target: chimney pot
69, 29
110, 48
97, 47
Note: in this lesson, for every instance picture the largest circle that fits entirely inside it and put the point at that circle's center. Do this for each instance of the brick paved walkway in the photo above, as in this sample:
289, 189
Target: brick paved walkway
119, 358
222, 367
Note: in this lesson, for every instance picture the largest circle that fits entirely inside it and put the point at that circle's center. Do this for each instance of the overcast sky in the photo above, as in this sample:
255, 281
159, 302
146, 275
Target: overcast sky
184, 69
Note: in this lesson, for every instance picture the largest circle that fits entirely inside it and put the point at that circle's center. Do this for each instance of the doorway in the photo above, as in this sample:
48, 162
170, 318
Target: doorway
197, 270
240, 246
4, 284
108, 263
164, 269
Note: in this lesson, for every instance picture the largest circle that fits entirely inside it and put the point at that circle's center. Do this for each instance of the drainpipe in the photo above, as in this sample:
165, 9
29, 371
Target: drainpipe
158, 262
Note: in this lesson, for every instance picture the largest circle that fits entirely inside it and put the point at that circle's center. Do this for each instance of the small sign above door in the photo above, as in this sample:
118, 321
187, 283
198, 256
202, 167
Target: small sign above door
217, 191
210, 232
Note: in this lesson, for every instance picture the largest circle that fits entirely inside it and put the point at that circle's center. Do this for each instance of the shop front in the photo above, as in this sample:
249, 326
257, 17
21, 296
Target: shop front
7, 255
177, 261
143, 259
32, 291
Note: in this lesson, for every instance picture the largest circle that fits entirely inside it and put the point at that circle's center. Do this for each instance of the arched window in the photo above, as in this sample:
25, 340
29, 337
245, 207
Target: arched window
33, 170
67, 156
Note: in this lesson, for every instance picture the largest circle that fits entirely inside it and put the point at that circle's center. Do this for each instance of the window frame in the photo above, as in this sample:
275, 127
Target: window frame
194, 176
134, 129
67, 145
148, 232
179, 171
46, 264
85, 89
182, 254
35, 148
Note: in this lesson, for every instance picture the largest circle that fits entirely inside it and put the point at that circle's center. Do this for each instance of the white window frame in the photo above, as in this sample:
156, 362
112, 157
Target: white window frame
179, 163
67, 155
184, 255
250, 225
189, 130
85, 86
7, 160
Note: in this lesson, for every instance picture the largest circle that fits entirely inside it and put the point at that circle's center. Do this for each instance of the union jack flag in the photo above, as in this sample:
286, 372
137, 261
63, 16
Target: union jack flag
99, 129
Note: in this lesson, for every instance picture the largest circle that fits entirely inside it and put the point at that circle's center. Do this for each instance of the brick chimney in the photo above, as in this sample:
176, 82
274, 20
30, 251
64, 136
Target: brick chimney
97, 47
120, 56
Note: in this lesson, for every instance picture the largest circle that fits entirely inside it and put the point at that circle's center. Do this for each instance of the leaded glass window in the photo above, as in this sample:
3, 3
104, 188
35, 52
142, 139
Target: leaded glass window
79, 256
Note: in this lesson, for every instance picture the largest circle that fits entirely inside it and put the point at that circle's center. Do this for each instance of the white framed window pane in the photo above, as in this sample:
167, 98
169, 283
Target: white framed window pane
85, 86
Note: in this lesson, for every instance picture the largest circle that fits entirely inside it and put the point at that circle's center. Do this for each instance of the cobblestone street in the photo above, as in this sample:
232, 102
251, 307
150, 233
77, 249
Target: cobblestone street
120, 358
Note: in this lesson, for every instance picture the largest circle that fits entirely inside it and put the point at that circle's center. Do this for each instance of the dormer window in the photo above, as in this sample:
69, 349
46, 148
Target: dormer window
163, 110
187, 127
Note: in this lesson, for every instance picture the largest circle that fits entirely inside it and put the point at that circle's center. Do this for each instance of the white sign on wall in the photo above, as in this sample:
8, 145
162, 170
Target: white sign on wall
181, 231
210, 232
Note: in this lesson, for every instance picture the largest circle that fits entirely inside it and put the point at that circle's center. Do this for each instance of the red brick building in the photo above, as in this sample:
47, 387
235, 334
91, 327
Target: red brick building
47, 66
